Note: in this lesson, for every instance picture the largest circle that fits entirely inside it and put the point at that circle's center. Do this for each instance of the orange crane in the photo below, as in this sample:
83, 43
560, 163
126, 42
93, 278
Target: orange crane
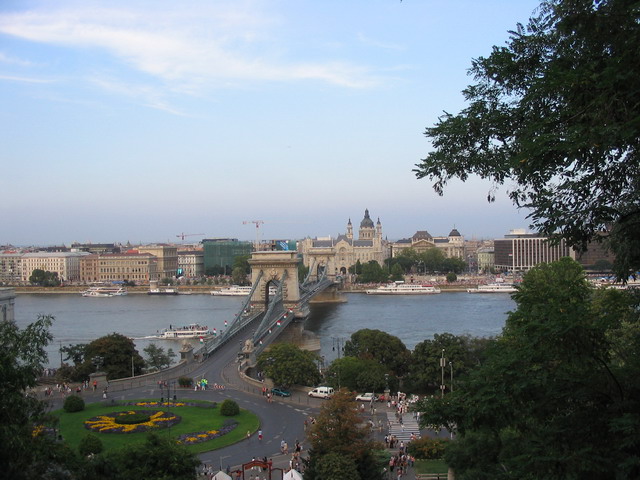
182, 235
257, 223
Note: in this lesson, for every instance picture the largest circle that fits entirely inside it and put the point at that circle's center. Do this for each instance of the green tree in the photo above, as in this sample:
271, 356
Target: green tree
425, 372
75, 352
238, 276
157, 358
554, 115
451, 277
334, 466
44, 278
242, 262
117, 352
372, 272
377, 345
26, 454
359, 374
397, 273
159, 458
339, 430
553, 397
433, 260
286, 364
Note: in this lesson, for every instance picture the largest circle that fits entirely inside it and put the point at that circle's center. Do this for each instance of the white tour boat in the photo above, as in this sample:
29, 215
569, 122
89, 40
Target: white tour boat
189, 331
401, 288
494, 288
238, 291
105, 291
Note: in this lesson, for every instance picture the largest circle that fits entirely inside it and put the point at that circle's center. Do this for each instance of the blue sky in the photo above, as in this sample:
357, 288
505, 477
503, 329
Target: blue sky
138, 120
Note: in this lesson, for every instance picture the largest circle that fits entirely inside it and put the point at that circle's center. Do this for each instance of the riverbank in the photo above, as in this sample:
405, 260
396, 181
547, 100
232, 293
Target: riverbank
205, 289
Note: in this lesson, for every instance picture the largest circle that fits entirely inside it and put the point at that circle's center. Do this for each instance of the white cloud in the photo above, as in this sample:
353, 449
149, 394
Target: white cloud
13, 78
196, 47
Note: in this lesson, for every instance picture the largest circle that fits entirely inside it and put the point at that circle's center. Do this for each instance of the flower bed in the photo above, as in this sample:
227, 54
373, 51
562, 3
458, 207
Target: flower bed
108, 423
204, 436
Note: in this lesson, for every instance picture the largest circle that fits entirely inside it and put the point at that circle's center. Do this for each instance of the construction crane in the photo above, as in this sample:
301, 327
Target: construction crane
182, 235
257, 223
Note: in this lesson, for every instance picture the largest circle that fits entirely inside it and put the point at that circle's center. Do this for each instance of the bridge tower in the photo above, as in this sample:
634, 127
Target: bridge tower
268, 267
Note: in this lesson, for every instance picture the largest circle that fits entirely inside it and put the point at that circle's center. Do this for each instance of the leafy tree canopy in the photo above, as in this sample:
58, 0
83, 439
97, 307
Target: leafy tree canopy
22, 358
44, 278
157, 358
339, 430
554, 114
377, 345
357, 374
117, 352
372, 272
286, 364
557, 395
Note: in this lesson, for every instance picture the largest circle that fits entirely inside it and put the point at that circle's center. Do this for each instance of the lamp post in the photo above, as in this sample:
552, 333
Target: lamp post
225, 456
443, 363
451, 368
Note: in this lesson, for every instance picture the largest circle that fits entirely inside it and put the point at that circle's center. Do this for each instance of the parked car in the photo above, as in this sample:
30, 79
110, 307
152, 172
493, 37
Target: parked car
366, 397
281, 392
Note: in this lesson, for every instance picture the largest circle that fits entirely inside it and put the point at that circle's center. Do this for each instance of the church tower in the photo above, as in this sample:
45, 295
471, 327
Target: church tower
366, 227
349, 230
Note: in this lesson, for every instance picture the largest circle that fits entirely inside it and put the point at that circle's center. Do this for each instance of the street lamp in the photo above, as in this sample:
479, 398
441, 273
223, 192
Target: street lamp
225, 456
443, 363
451, 367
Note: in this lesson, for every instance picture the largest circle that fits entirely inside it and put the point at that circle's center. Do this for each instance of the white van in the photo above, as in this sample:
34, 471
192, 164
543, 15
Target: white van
321, 392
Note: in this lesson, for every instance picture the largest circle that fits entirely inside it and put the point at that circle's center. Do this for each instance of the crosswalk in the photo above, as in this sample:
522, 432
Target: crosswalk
402, 431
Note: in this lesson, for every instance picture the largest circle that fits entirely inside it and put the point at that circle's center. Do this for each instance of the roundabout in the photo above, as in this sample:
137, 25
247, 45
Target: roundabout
198, 425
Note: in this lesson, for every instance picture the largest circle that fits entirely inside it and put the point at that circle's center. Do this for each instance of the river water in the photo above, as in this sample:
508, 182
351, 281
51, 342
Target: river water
411, 318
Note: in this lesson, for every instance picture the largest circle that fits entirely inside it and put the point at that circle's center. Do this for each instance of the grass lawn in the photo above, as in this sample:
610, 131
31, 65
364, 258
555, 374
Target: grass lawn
194, 419
430, 466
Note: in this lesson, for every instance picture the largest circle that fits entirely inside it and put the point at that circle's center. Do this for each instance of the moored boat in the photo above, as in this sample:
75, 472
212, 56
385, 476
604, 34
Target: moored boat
494, 288
401, 288
104, 291
162, 291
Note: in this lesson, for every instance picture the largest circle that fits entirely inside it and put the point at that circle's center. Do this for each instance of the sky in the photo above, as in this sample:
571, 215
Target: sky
138, 121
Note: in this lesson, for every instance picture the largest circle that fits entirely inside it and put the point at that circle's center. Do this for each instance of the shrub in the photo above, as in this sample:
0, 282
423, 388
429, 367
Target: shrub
132, 418
229, 408
73, 403
90, 444
426, 448
185, 381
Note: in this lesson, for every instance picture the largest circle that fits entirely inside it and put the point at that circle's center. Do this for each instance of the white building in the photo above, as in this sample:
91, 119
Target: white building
65, 264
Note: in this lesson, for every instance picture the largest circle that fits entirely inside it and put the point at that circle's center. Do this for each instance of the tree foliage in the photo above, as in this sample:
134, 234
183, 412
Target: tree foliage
372, 272
157, 358
117, 353
286, 364
339, 430
557, 395
461, 354
385, 349
357, 374
22, 358
44, 278
554, 114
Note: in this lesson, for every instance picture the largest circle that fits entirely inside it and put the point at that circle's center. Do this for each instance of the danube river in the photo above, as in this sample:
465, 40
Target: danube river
411, 318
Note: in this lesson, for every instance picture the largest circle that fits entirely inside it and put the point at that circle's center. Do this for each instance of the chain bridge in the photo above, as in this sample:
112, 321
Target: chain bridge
267, 314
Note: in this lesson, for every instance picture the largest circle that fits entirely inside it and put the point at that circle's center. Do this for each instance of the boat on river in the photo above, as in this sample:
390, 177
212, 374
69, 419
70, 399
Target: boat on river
162, 291
104, 291
233, 291
494, 288
239, 291
193, 330
401, 288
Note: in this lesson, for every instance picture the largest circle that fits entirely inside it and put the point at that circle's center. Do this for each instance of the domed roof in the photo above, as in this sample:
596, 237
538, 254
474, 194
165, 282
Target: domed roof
421, 235
454, 233
366, 221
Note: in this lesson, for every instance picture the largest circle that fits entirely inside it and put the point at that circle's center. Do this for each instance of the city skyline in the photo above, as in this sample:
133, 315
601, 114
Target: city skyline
138, 120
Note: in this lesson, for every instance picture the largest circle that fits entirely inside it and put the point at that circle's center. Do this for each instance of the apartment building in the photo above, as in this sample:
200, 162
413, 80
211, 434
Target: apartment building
137, 267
